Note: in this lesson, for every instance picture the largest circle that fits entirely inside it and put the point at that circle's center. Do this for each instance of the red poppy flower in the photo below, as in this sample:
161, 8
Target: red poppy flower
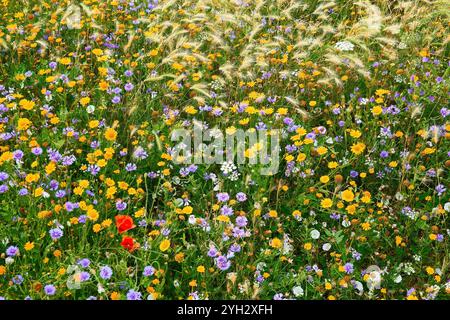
124, 223
127, 243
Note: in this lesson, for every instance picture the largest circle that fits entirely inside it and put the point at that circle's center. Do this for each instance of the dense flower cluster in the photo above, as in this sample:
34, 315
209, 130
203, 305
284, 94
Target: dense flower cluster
92, 205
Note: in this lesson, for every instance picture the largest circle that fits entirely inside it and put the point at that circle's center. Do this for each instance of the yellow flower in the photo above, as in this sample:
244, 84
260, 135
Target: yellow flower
276, 243
365, 226
97, 51
92, 214
301, 157
273, 214
23, 124
50, 168
223, 218
93, 124
179, 257
377, 110
106, 223
190, 110
84, 101
110, 134
326, 203
187, 210
164, 245
64, 61
358, 148
297, 213
324, 179
201, 269
307, 246
97, 228
321, 150
26, 104
348, 195
29, 246
429, 270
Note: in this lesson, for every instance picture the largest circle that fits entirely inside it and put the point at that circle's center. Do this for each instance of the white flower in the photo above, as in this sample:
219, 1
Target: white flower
297, 291
192, 219
398, 279
447, 206
100, 288
346, 223
374, 280
315, 234
261, 266
358, 286
344, 46
227, 167
90, 108
9, 260
72, 17
326, 246
399, 196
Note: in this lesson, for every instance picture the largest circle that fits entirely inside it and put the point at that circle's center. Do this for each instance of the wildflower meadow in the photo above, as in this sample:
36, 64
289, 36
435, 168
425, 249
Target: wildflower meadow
224, 150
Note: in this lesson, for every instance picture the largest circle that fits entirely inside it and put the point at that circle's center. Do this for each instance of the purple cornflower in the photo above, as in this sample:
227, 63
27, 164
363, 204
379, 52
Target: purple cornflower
18, 279
241, 221
84, 262
36, 151
84, 276
384, 154
148, 271
12, 251
133, 295
56, 233
348, 267
120, 205
60, 194
130, 167
241, 197
212, 252
69, 206
440, 189
18, 155
93, 169
3, 176
278, 296
353, 174
50, 290
106, 272
115, 99
235, 247
223, 197
226, 210
223, 263
3, 188
128, 87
